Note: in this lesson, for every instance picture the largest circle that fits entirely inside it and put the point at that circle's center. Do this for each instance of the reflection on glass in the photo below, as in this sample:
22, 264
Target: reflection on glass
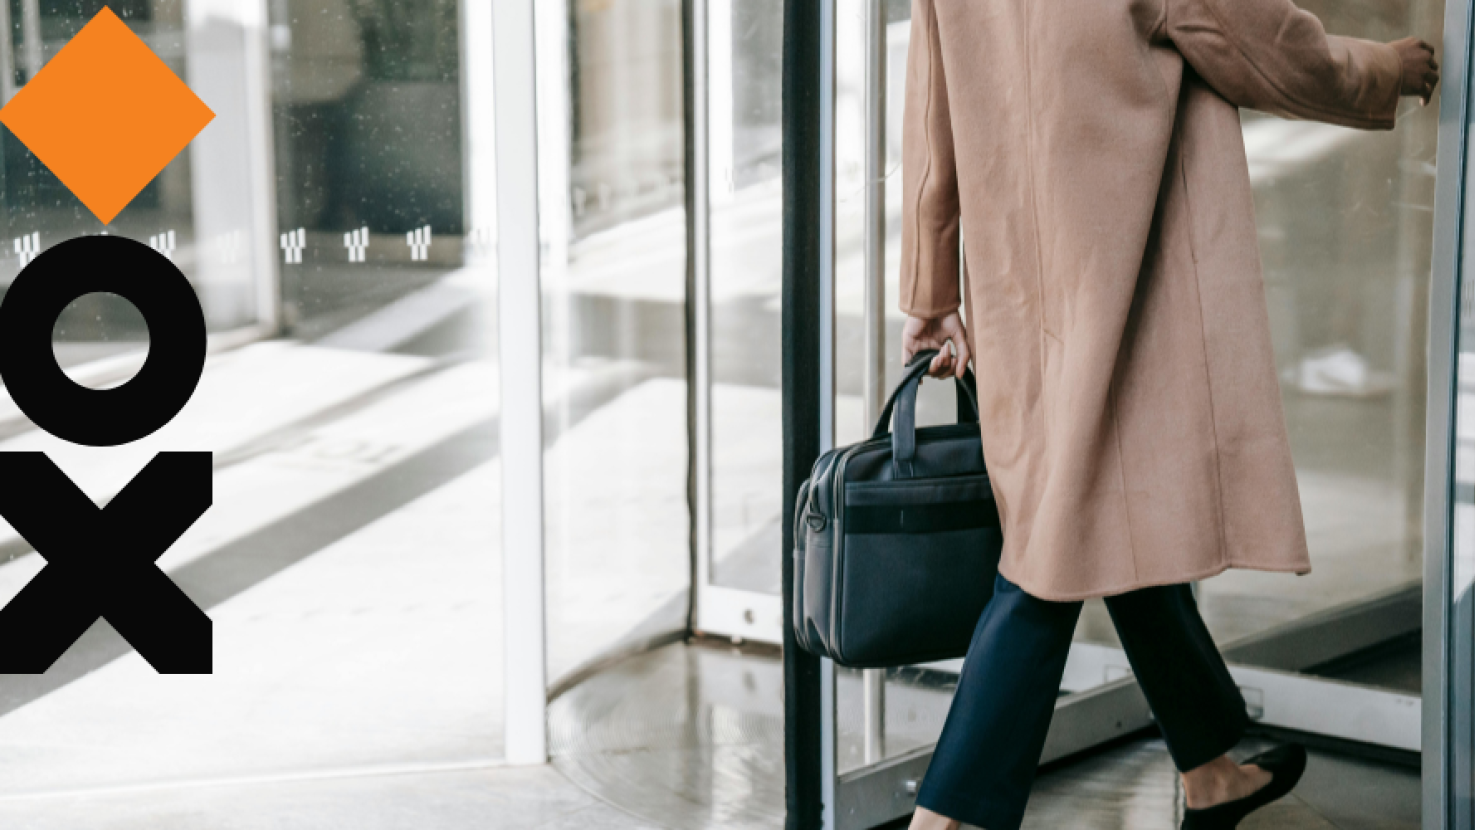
1461, 591
167, 214
349, 561
1459, 647
614, 368
916, 704
744, 73
367, 106
1345, 225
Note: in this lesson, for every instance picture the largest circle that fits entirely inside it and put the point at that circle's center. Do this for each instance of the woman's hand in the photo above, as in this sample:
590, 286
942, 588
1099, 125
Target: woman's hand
920, 334
1420, 70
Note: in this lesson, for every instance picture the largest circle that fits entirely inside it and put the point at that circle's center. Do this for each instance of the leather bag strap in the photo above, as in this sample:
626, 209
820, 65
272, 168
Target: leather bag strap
915, 371
903, 402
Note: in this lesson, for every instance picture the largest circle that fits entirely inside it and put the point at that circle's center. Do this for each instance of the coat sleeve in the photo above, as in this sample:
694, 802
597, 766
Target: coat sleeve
929, 234
1271, 56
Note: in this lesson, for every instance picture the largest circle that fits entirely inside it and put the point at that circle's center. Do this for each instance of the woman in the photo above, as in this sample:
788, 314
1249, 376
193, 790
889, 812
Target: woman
1091, 152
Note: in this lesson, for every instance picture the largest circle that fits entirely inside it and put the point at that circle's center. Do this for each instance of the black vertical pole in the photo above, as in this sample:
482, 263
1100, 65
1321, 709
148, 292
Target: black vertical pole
688, 101
801, 352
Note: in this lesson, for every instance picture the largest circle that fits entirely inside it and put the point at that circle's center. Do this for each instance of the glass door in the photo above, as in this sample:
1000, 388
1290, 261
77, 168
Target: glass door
350, 553
1346, 234
1346, 230
737, 229
883, 723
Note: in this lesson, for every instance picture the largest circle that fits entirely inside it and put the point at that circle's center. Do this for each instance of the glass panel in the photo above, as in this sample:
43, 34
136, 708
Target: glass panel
614, 381
1345, 228
41, 211
367, 104
349, 560
1459, 598
1345, 222
745, 39
916, 698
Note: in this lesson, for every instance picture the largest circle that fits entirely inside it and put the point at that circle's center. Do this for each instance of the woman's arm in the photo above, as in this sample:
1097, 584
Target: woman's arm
929, 235
929, 180
1270, 55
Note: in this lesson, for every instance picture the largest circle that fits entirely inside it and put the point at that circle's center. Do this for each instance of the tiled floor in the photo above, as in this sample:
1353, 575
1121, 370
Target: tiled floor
489, 798
692, 737
1128, 788
1135, 786
716, 765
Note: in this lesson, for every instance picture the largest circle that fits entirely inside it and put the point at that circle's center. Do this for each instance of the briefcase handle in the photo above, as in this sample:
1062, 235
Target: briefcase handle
904, 401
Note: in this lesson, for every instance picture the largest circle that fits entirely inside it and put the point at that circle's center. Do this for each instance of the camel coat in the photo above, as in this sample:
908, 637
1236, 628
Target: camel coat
1091, 151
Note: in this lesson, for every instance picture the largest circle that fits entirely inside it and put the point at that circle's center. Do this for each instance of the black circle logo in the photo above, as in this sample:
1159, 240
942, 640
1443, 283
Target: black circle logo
138, 274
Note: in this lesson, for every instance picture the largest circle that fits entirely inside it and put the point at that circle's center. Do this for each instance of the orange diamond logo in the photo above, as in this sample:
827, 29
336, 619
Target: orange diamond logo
105, 115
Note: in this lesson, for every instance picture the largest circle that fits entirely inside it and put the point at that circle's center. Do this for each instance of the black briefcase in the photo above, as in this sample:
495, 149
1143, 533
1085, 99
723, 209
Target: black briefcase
897, 539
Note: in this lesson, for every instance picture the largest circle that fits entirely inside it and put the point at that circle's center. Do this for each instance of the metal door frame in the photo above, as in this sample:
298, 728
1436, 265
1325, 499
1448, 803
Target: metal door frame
519, 322
1445, 754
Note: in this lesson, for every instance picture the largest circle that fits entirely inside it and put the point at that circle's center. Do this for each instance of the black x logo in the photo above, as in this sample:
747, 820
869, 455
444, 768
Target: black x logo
100, 562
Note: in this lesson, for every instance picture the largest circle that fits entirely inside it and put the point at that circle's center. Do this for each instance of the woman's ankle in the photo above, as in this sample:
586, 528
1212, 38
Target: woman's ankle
1219, 781
925, 819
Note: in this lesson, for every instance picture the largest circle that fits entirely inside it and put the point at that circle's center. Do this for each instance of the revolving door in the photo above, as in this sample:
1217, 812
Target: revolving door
1361, 239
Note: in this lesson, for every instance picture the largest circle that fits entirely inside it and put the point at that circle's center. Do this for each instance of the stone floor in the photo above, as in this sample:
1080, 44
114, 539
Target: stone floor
494, 798
1130, 787
691, 736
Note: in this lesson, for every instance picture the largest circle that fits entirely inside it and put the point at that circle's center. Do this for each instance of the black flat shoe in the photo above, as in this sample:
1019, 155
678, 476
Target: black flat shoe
1285, 764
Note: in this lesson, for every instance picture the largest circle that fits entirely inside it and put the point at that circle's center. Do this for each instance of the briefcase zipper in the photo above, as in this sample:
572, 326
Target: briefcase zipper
837, 508
902, 484
837, 519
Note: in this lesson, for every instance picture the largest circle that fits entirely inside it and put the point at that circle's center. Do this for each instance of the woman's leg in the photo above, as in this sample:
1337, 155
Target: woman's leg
986, 757
1197, 704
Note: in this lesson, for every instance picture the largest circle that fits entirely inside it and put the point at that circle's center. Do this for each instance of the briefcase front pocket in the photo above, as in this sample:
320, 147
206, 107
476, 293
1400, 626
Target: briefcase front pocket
917, 568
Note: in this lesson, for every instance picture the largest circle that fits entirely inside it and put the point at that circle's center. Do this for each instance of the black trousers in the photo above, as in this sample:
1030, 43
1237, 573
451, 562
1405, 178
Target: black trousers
990, 746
